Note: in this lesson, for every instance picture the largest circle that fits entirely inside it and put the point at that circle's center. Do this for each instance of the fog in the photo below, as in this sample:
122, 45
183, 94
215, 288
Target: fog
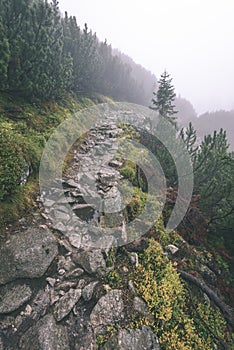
192, 39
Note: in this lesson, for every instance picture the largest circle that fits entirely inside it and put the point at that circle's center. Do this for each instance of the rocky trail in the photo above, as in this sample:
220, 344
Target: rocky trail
53, 265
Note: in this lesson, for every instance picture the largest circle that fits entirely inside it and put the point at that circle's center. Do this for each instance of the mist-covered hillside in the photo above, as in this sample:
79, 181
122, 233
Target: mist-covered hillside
205, 123
147, 80
210, 121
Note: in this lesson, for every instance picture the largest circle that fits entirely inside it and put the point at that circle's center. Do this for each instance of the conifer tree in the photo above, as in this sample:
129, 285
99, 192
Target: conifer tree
164, 98
189, 136
4, 57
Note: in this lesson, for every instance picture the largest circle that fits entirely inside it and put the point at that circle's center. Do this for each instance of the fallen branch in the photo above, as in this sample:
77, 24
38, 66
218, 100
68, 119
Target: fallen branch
214, 336
211, 294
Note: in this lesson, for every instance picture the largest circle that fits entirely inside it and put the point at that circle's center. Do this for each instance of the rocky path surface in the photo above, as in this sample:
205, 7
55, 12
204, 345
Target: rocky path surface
52, 286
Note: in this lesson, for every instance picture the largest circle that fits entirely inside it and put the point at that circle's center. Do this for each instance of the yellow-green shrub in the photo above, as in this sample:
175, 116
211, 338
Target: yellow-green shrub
159, 285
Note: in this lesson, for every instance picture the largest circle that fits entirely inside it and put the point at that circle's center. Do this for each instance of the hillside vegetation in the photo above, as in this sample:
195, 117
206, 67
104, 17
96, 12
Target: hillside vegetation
50, 69
44, 54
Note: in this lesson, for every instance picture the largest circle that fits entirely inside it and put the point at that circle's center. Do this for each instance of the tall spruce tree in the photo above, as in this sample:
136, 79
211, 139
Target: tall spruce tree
4, 57
164, 98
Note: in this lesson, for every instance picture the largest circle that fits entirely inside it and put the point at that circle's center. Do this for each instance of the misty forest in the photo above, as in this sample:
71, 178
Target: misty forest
153, 289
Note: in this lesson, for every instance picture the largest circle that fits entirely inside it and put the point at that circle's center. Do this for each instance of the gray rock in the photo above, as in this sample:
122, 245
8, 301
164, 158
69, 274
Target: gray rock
87, 292
131, 287
65, 286
107, 177
28, 310
115, 164
81, 284
71, 183
84, 210
41, 302
51, 281
27, 255
139, 339
208, 275
171, 249
65, 304
13, 296
45, 335
108, 310
134, 259
60, 227
49, 203
60, 215
66, 263
141, 307
91, 261
75, 240
74, 274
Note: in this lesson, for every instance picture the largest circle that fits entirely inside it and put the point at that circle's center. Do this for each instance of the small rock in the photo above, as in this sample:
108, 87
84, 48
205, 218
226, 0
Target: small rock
75, 240
46, 217
65, 304
134, 259
115, 164
141, 307
60, 227
131, 287
49, 203
61, 272
28, 310
13, 296
71, 183
69, 265
91, 261
60, 215
208, 275
74, 274
53, 297
171, 249
51, 281
66, 286
87, 292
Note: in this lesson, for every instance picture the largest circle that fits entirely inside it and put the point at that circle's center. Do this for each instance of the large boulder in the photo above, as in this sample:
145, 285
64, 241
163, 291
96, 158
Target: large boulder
27, 254
109, 310
138, 339
92, 261
45, 335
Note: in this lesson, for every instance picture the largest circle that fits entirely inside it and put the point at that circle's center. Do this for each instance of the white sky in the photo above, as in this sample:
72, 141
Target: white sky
192, 39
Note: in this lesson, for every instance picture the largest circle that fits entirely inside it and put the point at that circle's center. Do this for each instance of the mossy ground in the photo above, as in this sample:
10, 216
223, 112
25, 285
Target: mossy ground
182, 319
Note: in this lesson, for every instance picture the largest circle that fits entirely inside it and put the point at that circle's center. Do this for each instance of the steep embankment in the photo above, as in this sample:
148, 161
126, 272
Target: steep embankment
64, 284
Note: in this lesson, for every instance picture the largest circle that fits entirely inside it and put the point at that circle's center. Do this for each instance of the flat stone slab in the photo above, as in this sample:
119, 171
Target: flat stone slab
87, 292
138, 339
13, 296
92, 261
65, 304
108, 310
27, 255
45, 335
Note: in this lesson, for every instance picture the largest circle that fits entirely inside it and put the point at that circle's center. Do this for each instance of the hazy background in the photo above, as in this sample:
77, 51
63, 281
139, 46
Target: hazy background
192, 39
